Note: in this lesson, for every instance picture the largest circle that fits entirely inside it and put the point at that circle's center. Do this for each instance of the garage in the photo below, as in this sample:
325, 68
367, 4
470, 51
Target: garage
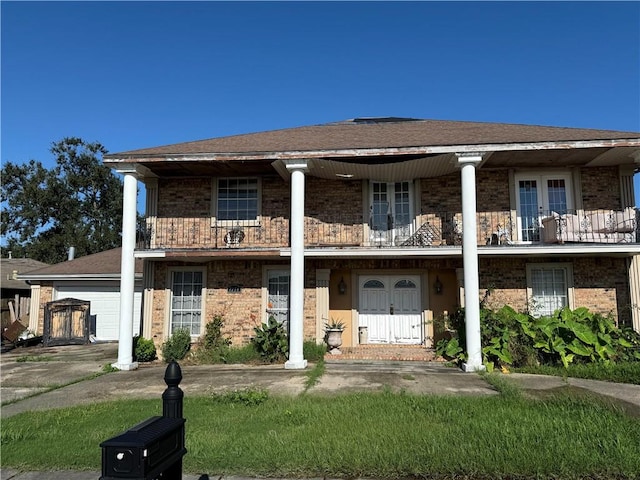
105, 305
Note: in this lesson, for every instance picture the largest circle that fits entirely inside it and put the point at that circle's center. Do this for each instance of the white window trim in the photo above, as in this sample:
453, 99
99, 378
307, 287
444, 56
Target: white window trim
568, 267
540, 177
169, 293
265, 286
232, 223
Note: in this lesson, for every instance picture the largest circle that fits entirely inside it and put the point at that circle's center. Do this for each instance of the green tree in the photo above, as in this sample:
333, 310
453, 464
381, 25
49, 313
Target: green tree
76, 203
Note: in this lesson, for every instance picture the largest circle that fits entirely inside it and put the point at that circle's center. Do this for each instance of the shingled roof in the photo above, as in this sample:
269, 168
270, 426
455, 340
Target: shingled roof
18, 265
372, 133
100, 265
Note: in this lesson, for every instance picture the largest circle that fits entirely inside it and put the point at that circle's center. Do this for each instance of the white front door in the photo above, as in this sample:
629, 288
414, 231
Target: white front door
390, 308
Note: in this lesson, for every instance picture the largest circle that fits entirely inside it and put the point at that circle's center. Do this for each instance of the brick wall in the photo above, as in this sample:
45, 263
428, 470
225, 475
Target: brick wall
600, 284
600, 188
46, 296
184, 196
241, 311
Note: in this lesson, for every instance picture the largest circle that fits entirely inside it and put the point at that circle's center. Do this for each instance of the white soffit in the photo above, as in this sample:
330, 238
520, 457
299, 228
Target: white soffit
389, 172
614, 156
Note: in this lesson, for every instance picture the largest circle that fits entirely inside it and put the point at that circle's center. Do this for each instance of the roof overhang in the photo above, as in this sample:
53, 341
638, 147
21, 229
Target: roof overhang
431, 160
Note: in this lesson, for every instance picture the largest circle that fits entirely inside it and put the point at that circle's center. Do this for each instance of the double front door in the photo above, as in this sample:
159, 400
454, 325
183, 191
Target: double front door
389, 307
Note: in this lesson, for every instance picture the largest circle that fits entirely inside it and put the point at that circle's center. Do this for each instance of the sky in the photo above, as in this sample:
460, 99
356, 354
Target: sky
140, 74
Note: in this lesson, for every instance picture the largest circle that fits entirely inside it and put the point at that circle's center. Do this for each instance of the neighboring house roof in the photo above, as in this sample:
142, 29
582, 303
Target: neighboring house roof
98, 266
20, 265
373, 133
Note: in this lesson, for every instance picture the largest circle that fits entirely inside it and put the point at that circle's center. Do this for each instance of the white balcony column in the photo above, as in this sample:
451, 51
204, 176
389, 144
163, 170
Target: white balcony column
468, 163
127, 272
296, 294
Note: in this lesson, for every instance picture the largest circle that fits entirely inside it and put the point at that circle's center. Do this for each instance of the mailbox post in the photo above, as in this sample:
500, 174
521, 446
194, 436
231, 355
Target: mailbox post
154, 447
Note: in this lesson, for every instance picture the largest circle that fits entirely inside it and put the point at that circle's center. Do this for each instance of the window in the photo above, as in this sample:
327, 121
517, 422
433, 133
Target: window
278, 295
237, 199
537, 196
186, 301
549, 288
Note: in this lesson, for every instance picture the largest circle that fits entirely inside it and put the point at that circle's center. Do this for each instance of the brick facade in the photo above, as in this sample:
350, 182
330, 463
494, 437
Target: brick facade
600, 188
335, 213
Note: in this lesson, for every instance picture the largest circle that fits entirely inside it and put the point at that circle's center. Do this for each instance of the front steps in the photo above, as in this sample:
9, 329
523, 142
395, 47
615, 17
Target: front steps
416, 353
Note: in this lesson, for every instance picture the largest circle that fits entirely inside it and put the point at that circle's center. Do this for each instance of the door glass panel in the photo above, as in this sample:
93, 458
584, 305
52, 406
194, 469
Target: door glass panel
405, 284
528, 193
380, 210
557, 192
373, 284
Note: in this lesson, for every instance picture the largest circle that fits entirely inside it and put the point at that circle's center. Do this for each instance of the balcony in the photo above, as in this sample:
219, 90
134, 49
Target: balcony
429, 230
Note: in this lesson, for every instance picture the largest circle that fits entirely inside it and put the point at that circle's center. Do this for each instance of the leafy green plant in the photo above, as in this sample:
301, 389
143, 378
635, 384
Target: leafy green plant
510, 338
177, 345
450, 349
271, 341
144, 350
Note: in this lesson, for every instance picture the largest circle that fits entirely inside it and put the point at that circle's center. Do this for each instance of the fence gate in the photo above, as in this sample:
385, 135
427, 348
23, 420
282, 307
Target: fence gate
66, 322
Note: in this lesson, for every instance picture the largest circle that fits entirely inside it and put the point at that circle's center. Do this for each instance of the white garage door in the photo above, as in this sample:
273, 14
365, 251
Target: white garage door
105, 305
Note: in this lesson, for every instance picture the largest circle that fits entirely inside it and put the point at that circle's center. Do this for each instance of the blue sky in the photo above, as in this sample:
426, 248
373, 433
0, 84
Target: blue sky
140, 74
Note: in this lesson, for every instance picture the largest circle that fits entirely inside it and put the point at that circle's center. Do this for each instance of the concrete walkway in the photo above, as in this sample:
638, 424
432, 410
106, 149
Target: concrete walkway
39, 378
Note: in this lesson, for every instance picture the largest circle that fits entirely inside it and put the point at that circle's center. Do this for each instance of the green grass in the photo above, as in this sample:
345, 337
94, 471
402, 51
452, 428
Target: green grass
35, 358
383, 435
622, 372
314, 374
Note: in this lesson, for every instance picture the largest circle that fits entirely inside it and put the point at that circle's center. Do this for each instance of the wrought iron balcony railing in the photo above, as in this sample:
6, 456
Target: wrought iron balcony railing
428, 230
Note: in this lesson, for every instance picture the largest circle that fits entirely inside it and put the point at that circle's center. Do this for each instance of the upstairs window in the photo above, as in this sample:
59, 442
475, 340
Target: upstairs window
237, 199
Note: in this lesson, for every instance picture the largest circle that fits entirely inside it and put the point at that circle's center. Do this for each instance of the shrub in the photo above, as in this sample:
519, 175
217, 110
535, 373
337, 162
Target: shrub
212, 346
144, 350
177, 346
271, 341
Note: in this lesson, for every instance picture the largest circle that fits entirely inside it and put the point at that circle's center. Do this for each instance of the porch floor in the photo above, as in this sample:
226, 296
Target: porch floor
416, 353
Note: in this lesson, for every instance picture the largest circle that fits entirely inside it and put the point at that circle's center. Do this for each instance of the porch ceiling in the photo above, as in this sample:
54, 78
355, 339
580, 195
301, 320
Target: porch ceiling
387, 167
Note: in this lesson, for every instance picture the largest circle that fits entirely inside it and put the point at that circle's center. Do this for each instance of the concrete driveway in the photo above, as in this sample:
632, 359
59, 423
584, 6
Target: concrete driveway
39, 378
52, 377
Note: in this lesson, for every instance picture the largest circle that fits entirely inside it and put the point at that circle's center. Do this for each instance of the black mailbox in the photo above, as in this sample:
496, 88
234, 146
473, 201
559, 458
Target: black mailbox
145, 451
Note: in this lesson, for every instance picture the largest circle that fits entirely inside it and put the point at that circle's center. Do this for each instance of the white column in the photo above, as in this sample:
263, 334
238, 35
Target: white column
127, 274
468, 164
296, 294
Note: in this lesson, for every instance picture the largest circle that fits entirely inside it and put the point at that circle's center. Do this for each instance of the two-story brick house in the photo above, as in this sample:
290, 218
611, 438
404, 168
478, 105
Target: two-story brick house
383, 223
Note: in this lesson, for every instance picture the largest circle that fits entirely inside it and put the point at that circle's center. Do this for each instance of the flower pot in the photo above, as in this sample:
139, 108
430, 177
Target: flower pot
334, 340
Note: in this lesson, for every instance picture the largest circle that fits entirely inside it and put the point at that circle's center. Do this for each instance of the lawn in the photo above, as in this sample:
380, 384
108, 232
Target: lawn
384, 435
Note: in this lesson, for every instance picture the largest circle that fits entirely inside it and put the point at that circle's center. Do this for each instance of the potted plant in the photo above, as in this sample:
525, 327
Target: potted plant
333, 335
